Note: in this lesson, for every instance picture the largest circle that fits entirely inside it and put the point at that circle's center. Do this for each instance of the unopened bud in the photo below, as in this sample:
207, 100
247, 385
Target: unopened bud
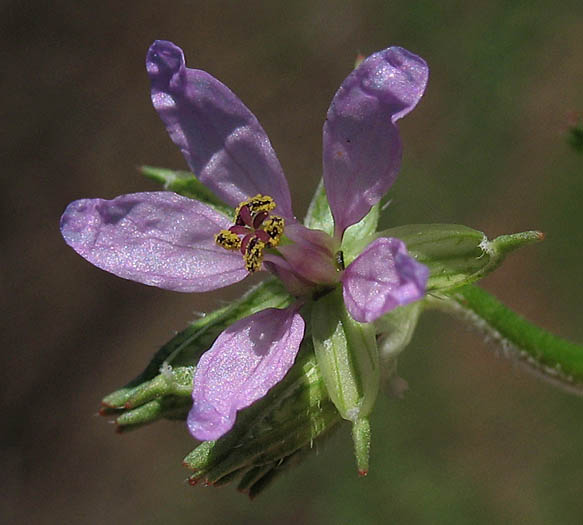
348, 358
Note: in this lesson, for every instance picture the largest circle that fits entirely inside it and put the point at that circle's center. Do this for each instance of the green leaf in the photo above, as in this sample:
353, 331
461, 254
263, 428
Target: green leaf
556, 360
185, 183
456, 255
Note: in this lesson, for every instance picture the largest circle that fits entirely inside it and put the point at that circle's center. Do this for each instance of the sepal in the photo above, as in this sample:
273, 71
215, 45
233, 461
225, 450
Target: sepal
394, 332
319, 217
186, 184
455, 255
169, 370
170, 407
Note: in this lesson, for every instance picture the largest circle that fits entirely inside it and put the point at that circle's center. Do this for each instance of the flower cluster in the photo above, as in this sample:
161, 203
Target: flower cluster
164, 239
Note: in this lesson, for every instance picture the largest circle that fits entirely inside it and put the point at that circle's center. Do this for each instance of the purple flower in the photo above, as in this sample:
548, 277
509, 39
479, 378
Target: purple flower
166, 240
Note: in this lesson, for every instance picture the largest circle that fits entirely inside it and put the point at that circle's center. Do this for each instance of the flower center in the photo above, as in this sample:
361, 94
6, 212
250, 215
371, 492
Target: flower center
254, 230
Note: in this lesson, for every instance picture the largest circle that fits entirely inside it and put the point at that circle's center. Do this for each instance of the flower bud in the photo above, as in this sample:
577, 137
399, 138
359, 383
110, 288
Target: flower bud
169, 374
271, 434
456, 255
347, 355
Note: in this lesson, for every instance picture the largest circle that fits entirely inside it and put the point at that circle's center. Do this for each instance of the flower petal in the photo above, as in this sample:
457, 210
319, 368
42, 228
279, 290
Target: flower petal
159, 238
245, 361
381, 278
362, 147
222, 141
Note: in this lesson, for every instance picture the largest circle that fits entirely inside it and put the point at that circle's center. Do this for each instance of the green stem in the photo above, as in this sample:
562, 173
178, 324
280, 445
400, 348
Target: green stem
550, 357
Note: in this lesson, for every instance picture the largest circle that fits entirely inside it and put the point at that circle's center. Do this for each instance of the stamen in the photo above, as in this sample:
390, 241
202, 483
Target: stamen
245, 242
259, 218
259, 230
260, 203
263, 236
254, 254
339, 259
274, 228
239, 230
228, 240
253, 206
244, 216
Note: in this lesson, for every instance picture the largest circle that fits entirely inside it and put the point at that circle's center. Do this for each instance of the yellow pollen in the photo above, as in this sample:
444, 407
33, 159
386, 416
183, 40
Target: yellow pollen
256, 227
254, 254
273, 226
228, 240
256, 205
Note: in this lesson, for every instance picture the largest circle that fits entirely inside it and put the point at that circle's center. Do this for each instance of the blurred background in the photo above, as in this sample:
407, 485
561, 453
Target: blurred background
475, 440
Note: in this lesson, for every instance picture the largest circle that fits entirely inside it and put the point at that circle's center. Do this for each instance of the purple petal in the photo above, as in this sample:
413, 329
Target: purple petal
381, 278
222, 141
159, 238
362, 148
245, 361
311, 254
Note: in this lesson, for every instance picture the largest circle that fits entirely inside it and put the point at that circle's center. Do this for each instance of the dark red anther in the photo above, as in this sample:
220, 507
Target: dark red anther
245, 216
259, 218
262, 235
239, 230
245, 242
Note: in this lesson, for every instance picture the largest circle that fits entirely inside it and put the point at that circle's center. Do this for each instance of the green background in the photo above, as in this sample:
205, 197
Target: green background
476, 440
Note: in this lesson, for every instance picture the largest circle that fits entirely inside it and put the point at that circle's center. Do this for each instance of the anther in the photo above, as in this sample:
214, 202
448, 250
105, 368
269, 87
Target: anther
254, 254
273, 226
228, 240
244, 216
339, 259
259, 218
254, 230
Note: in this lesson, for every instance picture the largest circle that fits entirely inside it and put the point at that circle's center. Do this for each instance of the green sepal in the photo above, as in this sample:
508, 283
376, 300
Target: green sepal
394, 332
185, 348
185, 183
395, 329
361, 230
455, 255
319, 217
170, 382
347, 356
361, 438
170, 407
